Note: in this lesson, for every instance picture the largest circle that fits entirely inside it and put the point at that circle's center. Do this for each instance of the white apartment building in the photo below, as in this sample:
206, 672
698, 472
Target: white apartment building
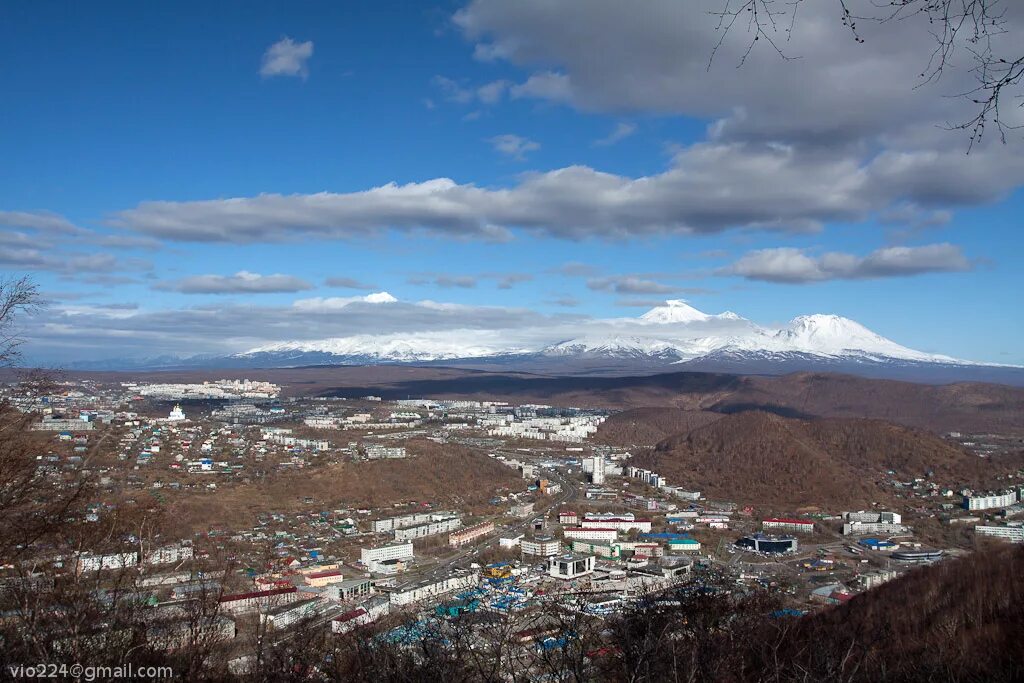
805, 526
391, 523
856, 523
592, 534
392, 551
438, 526
991, 500
541, 546
619, 523
1009, 533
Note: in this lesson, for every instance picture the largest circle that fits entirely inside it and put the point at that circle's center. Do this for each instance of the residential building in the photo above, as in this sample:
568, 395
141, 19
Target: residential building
592, 534
991, 500
470, 534
258, 600
540, 546
349, 589
804, 526
392, 551
1009, 533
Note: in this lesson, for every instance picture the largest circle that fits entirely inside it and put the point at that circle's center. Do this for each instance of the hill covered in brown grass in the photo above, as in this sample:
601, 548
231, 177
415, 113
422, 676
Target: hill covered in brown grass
648, 426
764, 458
444, 475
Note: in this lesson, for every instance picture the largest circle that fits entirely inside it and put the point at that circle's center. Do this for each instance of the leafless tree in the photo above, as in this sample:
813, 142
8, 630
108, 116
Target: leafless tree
971, 26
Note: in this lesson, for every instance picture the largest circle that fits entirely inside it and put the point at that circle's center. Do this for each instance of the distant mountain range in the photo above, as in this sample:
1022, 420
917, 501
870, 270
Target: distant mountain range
673, 336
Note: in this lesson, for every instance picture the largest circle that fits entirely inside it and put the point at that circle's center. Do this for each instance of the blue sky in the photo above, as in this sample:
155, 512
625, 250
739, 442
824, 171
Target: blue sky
571, 134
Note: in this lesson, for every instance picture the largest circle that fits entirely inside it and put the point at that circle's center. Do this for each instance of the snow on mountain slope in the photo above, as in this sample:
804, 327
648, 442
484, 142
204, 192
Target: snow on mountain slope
420, 347
834, 335
672, 333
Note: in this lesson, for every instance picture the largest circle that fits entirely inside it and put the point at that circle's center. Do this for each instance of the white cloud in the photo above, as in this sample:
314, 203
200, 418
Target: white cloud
514, 146
626, 284
242, 282
790, 265
287, 58
621, 132
708, 188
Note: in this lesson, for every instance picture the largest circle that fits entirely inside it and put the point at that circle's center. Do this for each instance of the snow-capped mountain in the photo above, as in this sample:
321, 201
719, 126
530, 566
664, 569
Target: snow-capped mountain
671, 333
671, 337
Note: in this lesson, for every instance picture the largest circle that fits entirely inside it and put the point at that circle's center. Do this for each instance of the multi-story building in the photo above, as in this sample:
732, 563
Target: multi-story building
619, 523
571, 566
283, 616
258, 600
369, 611
991, 500
392, 551
568, 517
349, 589
387, 524
872, 523
436, 526
1009, 533
764, 543
540, 546
598, 548
470, 534
804, 526
410, 593
591, 534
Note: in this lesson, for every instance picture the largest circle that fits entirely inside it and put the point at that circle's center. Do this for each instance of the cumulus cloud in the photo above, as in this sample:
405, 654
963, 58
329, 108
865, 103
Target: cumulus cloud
242, 282
621, 132
790, 265
708, 188
657, 60
287, 58
626, 284
514, 146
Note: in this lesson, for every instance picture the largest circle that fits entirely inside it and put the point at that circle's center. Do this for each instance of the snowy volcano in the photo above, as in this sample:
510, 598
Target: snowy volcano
672, 333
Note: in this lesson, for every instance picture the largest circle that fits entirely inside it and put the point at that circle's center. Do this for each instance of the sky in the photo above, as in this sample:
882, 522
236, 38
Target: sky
187, 177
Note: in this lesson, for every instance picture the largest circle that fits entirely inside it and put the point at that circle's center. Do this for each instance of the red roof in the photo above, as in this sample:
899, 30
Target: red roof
583, 528
323, 575
349, 616
258, 594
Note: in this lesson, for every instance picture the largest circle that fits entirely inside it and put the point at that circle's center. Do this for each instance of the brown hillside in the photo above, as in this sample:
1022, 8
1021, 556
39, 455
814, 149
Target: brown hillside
648, 426
960, 620
764, 458
446, 476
